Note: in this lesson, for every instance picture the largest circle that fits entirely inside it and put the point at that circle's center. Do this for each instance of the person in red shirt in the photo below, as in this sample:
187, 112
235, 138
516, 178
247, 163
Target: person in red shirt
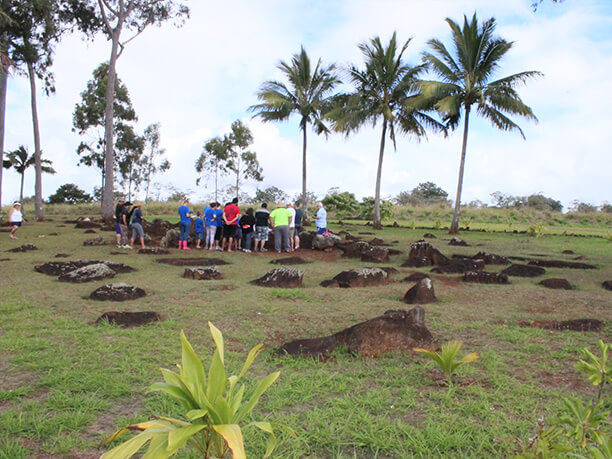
231, 214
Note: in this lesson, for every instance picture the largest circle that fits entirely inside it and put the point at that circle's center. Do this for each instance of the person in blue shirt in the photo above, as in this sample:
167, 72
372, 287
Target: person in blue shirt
137, 220
219, 222
210, 221
199, 229
185, 225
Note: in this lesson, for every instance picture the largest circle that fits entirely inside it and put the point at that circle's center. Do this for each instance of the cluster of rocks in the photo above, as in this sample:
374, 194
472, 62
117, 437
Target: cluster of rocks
79, 271
128, 319
358, 277
582, 325
556, 283
424, 254
119, 291
23, 248
519, 270
483, 277
98, 240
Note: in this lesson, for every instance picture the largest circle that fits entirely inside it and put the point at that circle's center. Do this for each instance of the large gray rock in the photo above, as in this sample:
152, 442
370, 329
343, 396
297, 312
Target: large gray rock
171, 238
321, 242
88, 273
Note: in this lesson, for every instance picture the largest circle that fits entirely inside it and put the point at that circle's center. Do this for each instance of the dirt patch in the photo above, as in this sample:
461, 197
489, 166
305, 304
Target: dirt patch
523, 271
482, 277
281, 277
460, 266
128, 319
289, 261
61, 255
52, 234
154, 251
582, 325
202, 273
23, 248
561, 264
568, 252
5, 259
429, 236
557, 283
607, 284
89, 231
84, 224
117, 292
398, 330
201, 261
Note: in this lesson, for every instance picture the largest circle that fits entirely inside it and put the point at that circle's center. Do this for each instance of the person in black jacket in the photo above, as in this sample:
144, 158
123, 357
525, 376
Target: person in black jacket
247, 224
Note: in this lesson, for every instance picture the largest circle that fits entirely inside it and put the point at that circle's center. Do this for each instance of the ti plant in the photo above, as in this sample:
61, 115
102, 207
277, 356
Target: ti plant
447, 359
583, 421
597, 369
215, 409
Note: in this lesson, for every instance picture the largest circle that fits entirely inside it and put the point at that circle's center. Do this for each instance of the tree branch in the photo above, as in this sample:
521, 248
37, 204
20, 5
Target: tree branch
104, 17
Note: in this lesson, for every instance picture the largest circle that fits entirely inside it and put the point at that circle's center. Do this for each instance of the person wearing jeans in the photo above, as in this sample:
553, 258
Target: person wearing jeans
185, 225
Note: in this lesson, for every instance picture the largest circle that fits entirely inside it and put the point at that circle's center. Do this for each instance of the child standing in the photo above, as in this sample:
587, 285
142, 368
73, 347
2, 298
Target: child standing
210, 220
199, 229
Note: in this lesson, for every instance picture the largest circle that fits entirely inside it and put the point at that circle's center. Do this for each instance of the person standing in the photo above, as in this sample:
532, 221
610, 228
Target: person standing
210, 225
118, 211
291, 225
184, 226
247, 222
262, 226
299, 214
199, 229
219, 223
137, 229
281, 218
321, 218
125, 221
15, 218
231, 214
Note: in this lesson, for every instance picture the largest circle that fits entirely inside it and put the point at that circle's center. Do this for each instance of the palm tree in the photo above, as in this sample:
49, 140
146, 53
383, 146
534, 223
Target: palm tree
465, 76
386, 90
307, 94
20, 160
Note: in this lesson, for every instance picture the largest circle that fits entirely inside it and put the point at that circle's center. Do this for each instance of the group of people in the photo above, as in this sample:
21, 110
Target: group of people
226, 228
129, 215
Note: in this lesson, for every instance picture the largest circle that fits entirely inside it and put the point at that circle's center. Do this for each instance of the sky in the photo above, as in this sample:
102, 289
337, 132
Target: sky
196, 80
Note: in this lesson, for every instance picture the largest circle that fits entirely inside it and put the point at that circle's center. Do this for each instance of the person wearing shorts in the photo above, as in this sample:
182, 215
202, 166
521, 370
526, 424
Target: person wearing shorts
124, 222
15, 218
231, 214
299, 213
291, 226
137, 225
262, 226
199, 229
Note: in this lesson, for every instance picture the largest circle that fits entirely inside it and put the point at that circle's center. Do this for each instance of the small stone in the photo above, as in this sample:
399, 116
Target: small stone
607, 284
359, 277
421, 293
556, 283
458, 242
282, 277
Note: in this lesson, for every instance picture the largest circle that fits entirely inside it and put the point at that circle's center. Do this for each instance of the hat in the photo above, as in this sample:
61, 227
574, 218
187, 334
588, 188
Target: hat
137, 204
16, 203
127, 203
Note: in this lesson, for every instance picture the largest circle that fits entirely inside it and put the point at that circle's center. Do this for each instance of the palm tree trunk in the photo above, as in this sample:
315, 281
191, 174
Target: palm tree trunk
109, 155
37, 151
304, 143
454, 229
3, 83
377, 224
21, 190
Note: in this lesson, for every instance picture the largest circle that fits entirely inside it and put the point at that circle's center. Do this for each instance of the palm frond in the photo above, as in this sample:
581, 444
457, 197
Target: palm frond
498, 119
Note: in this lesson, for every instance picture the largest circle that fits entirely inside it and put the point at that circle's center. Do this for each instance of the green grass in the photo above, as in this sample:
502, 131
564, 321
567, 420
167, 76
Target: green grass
66, 384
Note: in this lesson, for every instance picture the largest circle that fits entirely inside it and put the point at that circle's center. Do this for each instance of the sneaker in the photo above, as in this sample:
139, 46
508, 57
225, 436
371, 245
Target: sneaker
264, 250
246, 250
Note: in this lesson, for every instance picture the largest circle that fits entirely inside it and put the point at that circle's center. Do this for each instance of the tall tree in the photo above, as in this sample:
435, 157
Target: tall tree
307, 94
129, 153
465, 75
5, 62
241, 161
133, 17
21, 160
151, 166
213, 161
386, 90
89, 120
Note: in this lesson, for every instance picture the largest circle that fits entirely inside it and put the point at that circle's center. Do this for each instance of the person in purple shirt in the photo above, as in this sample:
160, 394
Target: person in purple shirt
185, 225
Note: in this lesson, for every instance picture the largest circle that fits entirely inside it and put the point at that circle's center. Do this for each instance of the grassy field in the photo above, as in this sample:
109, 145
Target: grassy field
66, 384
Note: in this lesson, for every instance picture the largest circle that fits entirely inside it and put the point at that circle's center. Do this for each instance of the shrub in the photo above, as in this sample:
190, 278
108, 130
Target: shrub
366, 209
69, 193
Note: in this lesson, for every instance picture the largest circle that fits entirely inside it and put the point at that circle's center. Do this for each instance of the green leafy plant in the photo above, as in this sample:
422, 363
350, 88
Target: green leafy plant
448, 360
214, 409
583, 421
545, 443
536, 230
438, 224
597, 369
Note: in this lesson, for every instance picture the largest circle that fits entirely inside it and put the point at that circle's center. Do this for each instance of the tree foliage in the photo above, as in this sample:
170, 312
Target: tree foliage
241, 161
89, 120
424, 193
386, 90
20, 160
153, 163
465, 75
308, 93
271, 194
69, 193
212, 162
